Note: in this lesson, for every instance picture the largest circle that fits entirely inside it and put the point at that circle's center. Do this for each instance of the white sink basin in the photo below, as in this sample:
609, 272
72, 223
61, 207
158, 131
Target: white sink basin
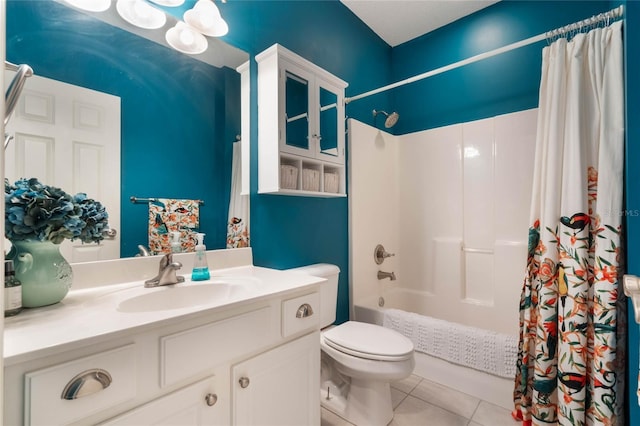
181, 296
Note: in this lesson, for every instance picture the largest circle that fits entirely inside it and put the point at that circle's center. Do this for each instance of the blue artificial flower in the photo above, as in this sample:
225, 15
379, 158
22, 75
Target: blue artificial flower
35, 211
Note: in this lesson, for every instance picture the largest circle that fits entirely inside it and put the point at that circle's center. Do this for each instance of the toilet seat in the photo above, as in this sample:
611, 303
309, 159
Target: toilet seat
369, 341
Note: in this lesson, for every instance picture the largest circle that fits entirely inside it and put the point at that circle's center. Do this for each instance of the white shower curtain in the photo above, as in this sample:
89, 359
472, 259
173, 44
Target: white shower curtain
572, 318
238, 224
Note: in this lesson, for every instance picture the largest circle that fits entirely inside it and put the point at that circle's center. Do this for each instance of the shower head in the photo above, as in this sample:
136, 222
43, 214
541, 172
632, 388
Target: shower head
391, 120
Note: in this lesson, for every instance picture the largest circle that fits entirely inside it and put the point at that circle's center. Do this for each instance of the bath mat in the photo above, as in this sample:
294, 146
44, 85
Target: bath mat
472, 347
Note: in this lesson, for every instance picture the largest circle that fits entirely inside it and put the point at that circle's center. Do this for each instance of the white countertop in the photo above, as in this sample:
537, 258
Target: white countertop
92, 314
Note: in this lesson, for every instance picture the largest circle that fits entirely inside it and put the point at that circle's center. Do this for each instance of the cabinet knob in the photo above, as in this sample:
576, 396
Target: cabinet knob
305, 310
244, 382
86, 383
211, 399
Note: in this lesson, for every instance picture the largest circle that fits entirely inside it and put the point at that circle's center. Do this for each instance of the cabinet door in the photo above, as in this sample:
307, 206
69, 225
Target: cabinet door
330, 131
279, 387
297, 94
197, 404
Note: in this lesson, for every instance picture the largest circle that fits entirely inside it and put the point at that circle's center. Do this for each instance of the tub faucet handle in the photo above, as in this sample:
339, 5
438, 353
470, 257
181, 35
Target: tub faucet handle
380, 254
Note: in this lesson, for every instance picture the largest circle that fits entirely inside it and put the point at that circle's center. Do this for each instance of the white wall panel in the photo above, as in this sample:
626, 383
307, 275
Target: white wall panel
430, 182
478, 188
479, 280
373, 207
515, 136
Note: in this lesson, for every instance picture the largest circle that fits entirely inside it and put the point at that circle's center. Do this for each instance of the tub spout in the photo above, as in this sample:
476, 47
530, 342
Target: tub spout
382, 275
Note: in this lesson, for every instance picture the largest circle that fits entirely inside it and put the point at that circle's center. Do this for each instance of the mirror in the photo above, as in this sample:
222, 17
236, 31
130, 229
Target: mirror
179, 114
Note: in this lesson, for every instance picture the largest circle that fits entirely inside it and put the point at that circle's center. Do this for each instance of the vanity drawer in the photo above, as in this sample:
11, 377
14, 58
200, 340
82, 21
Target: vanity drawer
203, 400
300, 313
96, 382
199, 349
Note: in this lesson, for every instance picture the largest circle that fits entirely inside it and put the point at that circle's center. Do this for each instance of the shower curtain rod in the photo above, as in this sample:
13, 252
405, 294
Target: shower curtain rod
577, 26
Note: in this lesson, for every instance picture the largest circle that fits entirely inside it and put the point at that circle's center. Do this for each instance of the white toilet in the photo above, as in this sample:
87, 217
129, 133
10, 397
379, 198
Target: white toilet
359, 360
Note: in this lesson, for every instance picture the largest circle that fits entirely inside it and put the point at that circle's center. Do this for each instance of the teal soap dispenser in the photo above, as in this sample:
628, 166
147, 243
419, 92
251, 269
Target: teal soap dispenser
200, 267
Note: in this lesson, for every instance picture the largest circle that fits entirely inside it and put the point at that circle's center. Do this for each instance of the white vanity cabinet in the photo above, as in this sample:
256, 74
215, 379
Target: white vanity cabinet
273, 388
188, 371
196, 404
301, 126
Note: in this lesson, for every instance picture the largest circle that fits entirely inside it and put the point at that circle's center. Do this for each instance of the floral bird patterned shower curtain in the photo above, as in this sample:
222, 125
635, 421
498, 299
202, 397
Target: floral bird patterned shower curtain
572, 316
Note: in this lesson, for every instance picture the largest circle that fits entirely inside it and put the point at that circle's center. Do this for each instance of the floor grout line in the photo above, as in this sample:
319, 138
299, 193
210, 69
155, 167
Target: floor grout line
401, 401
474, 412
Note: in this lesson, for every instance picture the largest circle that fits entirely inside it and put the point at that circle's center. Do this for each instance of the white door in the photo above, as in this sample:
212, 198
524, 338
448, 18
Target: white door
279, 387
69, 137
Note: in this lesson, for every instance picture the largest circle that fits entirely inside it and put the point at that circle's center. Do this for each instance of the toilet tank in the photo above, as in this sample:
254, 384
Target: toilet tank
328, 289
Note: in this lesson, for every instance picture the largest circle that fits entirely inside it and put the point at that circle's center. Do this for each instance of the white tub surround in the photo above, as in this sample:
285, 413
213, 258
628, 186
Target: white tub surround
453, 204
165, 354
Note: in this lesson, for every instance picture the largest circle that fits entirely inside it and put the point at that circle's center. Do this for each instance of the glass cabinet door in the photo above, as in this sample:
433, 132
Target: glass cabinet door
328, 135
297, 111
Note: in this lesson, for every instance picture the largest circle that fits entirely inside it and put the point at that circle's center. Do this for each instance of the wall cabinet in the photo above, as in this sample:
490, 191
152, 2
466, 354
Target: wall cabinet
255, 364
301, 126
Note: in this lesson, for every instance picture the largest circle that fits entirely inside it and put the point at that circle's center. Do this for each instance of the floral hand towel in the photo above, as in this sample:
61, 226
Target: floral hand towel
167, 215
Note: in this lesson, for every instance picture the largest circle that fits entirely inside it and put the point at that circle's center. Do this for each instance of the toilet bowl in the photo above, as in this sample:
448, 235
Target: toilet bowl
359, 360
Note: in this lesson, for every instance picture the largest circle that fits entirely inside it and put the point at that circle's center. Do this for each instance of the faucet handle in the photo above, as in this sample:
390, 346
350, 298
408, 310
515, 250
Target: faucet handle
380, 254
166, 260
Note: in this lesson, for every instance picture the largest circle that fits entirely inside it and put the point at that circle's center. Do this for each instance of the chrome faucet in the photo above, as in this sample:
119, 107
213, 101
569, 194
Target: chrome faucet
382, 275
167, 273
143, 251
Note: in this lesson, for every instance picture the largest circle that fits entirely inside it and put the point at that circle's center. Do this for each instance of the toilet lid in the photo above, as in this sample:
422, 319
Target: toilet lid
369, 341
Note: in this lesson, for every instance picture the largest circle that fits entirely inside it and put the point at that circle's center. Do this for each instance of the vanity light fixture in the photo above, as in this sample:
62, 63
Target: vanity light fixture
90, 5
141, 14
205, 17
185, 39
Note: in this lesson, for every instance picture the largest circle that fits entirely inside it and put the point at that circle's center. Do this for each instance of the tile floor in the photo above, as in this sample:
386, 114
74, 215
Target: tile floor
420, 402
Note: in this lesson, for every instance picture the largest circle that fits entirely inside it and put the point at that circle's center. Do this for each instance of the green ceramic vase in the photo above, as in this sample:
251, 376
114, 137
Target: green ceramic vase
45, 275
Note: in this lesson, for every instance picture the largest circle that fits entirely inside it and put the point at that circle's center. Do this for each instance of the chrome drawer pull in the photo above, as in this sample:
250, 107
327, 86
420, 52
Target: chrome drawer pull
305, 310
211, 399
86, 383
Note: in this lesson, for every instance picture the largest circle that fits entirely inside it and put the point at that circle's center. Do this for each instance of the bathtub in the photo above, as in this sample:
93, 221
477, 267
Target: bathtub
482, 385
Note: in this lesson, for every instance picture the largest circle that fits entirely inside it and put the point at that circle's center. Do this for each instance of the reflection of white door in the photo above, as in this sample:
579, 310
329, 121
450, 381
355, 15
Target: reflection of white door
68, 136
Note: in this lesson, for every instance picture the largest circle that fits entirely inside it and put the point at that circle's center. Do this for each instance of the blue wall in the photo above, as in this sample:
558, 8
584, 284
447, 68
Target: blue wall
179, 115
498, 85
